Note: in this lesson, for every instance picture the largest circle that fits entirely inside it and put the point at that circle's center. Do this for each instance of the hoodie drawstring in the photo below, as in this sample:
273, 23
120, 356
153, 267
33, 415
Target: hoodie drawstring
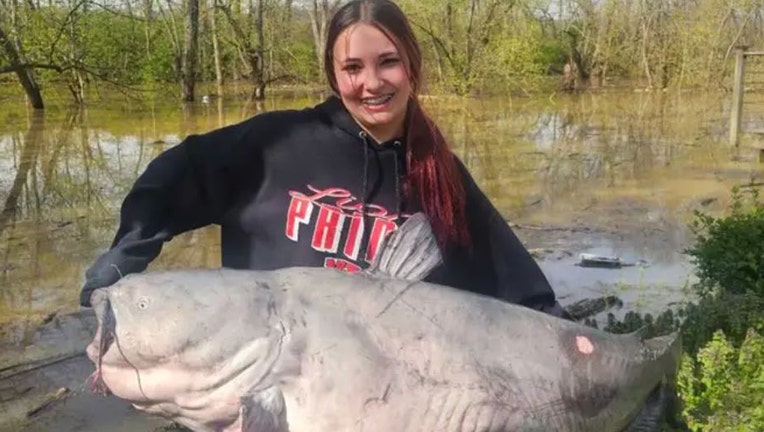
364, 138
398, 200
364, 221
365, 183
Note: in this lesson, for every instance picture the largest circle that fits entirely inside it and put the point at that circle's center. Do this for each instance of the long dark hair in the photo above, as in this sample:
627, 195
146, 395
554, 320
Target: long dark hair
432, 169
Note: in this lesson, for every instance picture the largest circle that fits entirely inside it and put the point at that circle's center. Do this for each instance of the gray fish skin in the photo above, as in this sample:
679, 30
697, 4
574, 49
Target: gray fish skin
330, 351
313, 349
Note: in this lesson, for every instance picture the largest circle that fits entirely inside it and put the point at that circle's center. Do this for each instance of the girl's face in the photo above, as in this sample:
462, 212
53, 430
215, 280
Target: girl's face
372, 80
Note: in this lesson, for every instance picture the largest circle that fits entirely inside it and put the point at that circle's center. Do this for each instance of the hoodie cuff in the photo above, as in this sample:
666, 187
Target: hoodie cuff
92, 285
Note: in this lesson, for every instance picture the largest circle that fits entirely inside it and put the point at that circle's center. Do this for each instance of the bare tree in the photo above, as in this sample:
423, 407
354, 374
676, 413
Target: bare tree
190, 48
168, 18
252, 52
212, 12
19, 64
460, 32
321, 12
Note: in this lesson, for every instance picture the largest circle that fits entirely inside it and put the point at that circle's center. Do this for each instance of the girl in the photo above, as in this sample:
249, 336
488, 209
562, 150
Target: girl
324, 185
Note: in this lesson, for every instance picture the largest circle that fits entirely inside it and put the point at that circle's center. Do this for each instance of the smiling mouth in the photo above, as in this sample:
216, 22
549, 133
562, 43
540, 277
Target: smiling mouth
378, 100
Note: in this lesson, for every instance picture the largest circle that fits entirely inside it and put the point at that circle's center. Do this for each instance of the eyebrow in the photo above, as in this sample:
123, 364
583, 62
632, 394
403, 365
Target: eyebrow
384, 54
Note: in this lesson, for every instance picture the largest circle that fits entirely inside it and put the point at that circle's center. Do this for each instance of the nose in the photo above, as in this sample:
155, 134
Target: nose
372, 80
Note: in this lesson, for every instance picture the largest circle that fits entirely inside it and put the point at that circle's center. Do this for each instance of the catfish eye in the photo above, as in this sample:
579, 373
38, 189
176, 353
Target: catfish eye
143, 303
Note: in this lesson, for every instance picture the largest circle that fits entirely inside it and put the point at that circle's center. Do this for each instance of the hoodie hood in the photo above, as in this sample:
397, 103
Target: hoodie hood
334, 112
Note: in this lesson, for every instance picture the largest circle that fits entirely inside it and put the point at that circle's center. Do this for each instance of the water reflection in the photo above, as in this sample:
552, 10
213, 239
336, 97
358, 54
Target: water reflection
30, 147
626, 161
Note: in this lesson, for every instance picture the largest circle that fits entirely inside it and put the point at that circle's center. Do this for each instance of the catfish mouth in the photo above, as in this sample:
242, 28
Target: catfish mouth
102, 342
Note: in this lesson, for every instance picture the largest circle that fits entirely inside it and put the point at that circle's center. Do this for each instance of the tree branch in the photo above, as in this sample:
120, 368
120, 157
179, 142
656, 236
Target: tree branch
437, 41
19, 67
235, 26
63, 24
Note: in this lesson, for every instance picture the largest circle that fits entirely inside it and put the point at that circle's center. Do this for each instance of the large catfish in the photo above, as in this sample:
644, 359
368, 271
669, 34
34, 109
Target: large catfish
321, 350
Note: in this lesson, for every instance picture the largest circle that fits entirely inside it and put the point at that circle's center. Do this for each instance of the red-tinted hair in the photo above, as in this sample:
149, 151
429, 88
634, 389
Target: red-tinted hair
432, 169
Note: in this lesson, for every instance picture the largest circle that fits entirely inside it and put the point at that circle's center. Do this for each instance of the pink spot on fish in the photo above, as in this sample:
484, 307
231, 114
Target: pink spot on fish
584, 345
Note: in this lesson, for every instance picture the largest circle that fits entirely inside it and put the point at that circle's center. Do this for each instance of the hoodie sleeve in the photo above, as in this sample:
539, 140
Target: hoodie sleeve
186, 187
497, 264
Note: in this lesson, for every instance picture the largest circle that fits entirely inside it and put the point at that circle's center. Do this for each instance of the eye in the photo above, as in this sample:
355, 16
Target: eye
390, 61
352, 68
143, 303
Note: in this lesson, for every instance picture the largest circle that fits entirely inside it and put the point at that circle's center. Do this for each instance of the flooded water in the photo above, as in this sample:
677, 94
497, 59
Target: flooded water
613, 174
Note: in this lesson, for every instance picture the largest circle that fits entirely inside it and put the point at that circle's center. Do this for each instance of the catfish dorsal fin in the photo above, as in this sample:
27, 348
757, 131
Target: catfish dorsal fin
410, 252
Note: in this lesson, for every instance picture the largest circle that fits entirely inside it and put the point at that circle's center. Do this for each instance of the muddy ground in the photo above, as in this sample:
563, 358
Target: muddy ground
43, 371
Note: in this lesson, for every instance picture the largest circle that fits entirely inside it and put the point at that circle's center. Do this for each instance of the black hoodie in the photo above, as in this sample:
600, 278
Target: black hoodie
286, 188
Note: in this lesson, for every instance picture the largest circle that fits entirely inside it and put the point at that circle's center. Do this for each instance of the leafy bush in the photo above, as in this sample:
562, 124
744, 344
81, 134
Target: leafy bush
728, 252
650, 327
733, 314
723, 388
721, 380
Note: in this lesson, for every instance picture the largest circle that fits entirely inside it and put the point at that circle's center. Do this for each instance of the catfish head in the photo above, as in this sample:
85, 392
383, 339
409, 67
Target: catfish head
170, 325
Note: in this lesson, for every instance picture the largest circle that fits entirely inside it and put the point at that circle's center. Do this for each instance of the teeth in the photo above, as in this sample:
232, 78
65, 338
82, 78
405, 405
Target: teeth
377, 100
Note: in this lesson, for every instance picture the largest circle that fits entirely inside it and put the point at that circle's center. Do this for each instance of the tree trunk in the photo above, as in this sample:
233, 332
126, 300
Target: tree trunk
320, 13
600, 49
189, 54
168, 18
148, 11
288, 16
577, 61
216, 48
644, 54
256, 56
25, 74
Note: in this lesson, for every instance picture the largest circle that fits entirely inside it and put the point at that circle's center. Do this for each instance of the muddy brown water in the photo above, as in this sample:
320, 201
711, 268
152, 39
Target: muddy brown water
617, 173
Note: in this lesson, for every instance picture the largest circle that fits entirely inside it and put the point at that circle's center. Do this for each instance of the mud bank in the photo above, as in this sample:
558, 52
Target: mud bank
656, 274
43, 371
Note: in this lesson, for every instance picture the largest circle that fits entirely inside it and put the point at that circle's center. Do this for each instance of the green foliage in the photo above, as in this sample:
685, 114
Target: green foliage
492, 46
723, 388
116, 48
156, 63
722, 375
728, 252
515, 64
648, 325
552, 55
733, 314
721, 379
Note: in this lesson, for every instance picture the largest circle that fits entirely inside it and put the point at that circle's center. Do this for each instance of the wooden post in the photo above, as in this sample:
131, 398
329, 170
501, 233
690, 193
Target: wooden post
736, 110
